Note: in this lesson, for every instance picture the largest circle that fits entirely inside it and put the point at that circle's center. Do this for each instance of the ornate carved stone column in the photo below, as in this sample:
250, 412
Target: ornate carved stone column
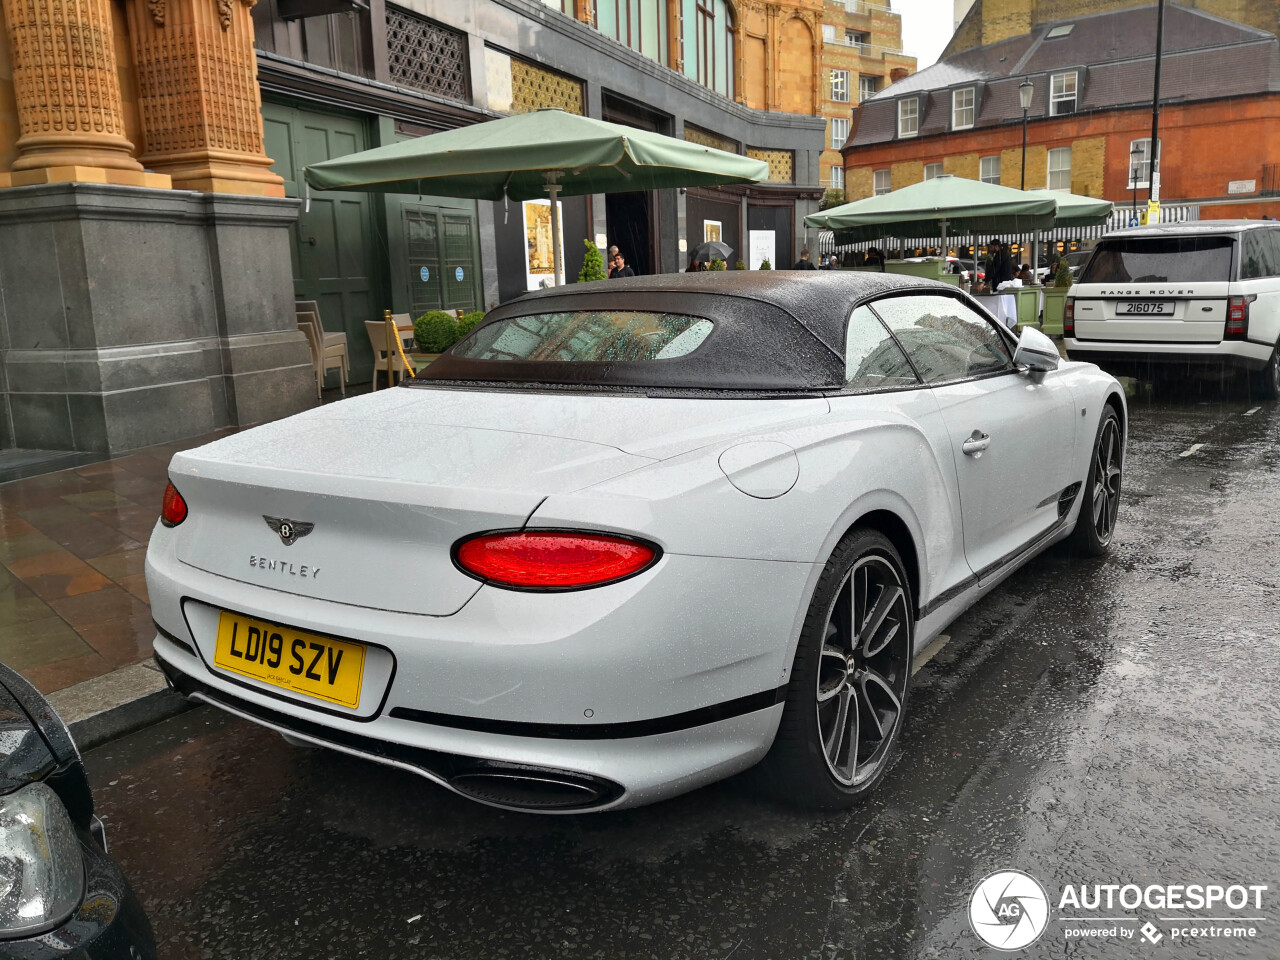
198, 98
67, 88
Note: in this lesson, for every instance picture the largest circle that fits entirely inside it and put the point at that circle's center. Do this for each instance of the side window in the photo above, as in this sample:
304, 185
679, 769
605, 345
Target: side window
1273, 240
945, 339
1256, 255
872, 360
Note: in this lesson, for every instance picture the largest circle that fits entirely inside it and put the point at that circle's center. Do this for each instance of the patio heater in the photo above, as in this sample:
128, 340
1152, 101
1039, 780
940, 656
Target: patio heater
1025, 90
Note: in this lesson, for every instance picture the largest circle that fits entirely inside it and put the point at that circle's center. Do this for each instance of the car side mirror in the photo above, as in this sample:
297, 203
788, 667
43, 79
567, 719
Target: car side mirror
1036, 352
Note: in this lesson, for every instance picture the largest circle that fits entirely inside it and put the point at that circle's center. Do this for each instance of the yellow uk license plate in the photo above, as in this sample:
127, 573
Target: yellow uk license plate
292, 659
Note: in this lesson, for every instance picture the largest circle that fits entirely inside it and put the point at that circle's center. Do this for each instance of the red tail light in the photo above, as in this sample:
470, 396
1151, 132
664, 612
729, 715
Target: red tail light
1238, 318
1069, 318
552, 559
173, 510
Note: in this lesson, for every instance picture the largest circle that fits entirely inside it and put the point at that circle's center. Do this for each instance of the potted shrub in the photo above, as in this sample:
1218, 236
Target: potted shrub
765, 264
468, 322
435, 331
740, 265
592, 265
1055, 299
717, 264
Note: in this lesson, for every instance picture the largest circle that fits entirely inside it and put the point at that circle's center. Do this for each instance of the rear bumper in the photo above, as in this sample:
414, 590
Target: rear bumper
1136, 358
507, 771
633, 692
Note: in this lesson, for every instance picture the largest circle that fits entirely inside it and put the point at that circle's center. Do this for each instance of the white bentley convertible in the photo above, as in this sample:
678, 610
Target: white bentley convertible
628, 538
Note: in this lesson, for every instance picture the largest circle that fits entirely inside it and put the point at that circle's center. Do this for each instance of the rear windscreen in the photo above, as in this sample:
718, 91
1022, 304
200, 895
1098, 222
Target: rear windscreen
590, 336
1160, 260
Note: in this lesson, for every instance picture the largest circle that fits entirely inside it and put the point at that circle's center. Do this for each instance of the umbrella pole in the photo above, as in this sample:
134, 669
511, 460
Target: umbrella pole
553, 190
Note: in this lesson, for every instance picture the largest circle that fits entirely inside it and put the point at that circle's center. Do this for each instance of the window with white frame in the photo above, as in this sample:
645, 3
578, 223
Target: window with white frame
989, 169
829, 32
1140, 165
837, 178
962, 109
932, 170
868, 87
1062, 94
881, 181
1060, 168
839, 132
908, 117
840, 85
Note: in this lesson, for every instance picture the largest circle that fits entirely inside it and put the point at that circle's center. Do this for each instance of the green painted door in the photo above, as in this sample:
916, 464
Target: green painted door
440, 252
332, 243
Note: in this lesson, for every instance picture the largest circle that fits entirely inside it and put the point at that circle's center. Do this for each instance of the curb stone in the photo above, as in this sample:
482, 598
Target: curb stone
116, 703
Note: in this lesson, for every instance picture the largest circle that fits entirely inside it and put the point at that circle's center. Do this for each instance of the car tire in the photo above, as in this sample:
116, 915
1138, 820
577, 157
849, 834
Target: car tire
847, 694
1100, 497
1266, 382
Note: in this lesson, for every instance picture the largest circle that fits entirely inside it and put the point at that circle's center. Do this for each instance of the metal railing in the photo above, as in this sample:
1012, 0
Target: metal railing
866, 49
863, 6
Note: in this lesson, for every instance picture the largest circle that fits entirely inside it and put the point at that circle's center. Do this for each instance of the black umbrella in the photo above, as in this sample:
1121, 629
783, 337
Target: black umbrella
711, 250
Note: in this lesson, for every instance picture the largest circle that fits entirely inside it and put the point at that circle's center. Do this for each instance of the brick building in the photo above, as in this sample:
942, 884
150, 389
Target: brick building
861, 55
1089, 124
983, 22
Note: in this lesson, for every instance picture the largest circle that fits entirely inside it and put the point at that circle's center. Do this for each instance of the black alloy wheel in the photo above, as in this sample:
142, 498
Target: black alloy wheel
1101, 494
847, 694
1266, 382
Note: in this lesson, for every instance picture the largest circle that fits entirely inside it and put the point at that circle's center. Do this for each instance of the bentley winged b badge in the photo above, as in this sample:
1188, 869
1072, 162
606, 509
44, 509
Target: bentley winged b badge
289, 530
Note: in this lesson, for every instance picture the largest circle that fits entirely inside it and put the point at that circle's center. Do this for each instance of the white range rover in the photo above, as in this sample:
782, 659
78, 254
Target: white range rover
1167, 301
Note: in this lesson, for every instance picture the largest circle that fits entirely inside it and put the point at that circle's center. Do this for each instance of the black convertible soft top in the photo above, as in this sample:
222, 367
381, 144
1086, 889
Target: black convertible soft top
775, 331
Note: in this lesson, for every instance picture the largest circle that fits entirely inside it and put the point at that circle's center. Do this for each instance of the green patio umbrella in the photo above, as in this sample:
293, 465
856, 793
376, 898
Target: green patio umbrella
1075, 210
938, 206
544, 153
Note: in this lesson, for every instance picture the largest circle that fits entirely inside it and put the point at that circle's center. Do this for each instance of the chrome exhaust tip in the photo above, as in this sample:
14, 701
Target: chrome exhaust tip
531, 788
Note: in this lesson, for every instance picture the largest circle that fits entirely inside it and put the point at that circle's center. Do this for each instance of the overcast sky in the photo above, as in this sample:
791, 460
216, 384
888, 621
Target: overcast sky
926, 27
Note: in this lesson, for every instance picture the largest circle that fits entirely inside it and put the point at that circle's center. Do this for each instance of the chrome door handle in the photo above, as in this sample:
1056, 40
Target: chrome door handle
976, 444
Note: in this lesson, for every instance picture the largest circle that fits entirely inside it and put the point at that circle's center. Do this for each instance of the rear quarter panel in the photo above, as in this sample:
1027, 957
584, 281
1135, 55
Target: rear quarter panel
871, 454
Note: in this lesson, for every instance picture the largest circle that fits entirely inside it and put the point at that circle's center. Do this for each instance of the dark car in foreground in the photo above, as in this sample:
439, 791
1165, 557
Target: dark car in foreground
61, 895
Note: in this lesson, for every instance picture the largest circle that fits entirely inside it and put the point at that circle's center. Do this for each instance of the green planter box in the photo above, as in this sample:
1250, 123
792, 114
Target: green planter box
1055, 299
1028, 299
933, 268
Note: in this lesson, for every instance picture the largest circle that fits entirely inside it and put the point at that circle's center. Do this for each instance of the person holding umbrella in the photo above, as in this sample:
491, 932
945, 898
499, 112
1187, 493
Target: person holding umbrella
710, 250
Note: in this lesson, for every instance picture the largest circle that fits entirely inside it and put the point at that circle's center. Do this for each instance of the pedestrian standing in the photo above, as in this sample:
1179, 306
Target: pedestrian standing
619, 267
1000, 266
804, 263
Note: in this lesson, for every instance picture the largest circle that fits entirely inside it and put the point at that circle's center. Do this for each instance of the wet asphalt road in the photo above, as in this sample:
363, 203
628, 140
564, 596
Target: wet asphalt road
1090, 722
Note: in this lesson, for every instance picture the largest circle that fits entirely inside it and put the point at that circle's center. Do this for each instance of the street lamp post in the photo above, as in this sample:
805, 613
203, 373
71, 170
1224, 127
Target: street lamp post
1135, 164
1025, 89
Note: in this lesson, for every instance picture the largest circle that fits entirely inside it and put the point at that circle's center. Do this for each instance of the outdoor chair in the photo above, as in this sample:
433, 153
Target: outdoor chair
335, 344
377, 330
321, 360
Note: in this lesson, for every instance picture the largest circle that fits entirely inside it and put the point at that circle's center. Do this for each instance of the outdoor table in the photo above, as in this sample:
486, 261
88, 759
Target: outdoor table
1002, 306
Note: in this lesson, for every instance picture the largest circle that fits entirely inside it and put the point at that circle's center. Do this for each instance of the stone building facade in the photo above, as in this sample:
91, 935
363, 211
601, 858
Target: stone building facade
144, 257
153, 229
